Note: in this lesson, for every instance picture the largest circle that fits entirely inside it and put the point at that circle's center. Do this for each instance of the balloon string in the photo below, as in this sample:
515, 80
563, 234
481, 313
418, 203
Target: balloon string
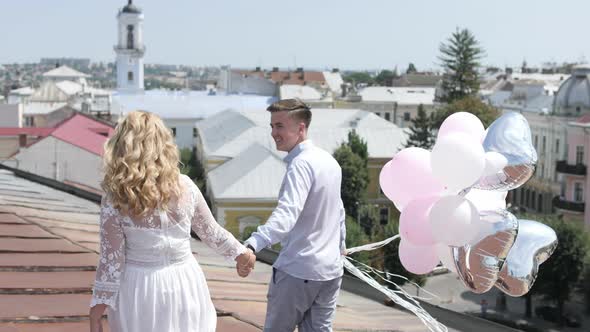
398, 294
371, 246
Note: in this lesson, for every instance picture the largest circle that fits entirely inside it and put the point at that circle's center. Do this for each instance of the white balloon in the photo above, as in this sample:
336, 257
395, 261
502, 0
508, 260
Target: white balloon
457, 160
486, 200
454, 221
495, 162
445, 255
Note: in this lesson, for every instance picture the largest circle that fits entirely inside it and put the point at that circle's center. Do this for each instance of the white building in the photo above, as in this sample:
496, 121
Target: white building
70, 153
130, 49
244, 170
395, 104
549, 111
180, 110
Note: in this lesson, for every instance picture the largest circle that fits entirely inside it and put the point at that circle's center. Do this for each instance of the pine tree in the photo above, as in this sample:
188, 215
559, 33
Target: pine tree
421, 131
411, 69
460, 59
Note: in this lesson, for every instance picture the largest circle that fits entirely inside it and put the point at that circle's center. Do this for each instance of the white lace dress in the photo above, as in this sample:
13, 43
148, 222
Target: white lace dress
147, 273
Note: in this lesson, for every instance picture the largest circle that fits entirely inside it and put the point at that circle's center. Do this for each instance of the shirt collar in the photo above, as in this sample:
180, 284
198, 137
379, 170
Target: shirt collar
297, 150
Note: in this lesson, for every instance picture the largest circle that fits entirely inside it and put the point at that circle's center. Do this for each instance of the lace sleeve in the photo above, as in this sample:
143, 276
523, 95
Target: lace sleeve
210, 232
112, 257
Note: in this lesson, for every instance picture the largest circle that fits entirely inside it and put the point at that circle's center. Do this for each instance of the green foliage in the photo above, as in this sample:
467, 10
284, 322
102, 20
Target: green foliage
355, 178
411, 69
421, 131
355, 236
194, 170
359, 77
460, 59
358, 146
486, 113
559, 275
248, 230
384, 78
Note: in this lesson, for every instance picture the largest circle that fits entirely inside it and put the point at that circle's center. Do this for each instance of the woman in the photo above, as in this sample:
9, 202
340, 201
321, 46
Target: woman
147, 275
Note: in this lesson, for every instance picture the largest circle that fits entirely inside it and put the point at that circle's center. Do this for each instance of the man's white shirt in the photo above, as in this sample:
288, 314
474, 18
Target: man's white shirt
309, 217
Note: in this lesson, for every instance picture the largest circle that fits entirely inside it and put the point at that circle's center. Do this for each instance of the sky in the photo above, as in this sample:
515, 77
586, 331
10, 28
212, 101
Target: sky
320, 34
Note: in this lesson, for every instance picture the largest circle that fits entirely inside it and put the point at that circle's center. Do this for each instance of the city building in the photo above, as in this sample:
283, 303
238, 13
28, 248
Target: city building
244, 170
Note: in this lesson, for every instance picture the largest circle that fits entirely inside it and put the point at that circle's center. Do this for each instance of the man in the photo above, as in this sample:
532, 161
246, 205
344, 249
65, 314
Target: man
309, 223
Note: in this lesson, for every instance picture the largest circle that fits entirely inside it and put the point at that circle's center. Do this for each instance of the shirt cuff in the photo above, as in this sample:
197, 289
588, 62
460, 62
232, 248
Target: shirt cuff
255, 243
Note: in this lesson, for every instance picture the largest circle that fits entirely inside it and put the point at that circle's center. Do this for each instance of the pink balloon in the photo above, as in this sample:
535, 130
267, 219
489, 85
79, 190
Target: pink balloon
417, 259
414, 225
463, 122
408, 176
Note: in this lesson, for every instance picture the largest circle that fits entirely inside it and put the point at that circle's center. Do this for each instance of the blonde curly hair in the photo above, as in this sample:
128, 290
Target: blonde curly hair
141, 165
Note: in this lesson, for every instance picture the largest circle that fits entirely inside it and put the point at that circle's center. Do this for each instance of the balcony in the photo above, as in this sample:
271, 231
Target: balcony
561, 203
563, 167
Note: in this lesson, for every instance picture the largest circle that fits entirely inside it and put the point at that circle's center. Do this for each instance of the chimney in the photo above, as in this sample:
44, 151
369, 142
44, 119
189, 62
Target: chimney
22, 140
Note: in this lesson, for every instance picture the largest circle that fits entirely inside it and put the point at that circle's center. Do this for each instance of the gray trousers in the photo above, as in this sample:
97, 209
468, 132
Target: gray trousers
307, 304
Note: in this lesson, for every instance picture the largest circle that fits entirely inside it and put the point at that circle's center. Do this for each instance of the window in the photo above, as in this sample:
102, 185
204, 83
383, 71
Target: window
387, 116
29, 121
542, 172
130, 36
384, 216
540, 203
130, 76
544, 144
407, 116
557, 146
533, 200
579, 155
194, 132
173, 131
536, 141
578, 192
578, 109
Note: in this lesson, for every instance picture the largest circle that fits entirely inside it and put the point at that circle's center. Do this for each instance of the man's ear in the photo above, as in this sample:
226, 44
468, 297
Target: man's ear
301, 127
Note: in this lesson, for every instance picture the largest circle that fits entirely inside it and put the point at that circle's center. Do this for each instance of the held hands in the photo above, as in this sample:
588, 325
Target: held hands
245, 263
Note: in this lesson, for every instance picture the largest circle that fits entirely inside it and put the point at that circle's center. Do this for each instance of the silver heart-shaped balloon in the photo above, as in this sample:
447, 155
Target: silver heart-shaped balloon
479, 264
534, 245
510, 135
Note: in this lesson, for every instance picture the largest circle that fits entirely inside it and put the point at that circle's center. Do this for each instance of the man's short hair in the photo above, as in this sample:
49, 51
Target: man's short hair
297, 109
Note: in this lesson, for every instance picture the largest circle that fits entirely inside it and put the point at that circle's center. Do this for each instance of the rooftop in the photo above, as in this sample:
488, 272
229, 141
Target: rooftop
186, 104
64, 72
400, 95
50, 249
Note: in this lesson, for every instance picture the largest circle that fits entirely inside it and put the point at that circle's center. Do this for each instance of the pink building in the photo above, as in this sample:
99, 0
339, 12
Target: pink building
574, 200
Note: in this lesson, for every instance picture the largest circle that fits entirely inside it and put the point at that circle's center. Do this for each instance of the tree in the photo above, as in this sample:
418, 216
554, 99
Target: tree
460, 59
486, 113
355, 178
559, 275
358, 77
421, 131
355, 236
411, 69
358, 146
384, 78
192, 167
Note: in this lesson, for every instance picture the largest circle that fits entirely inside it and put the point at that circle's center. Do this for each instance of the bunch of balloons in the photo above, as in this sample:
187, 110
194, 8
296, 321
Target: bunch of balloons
453, 208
